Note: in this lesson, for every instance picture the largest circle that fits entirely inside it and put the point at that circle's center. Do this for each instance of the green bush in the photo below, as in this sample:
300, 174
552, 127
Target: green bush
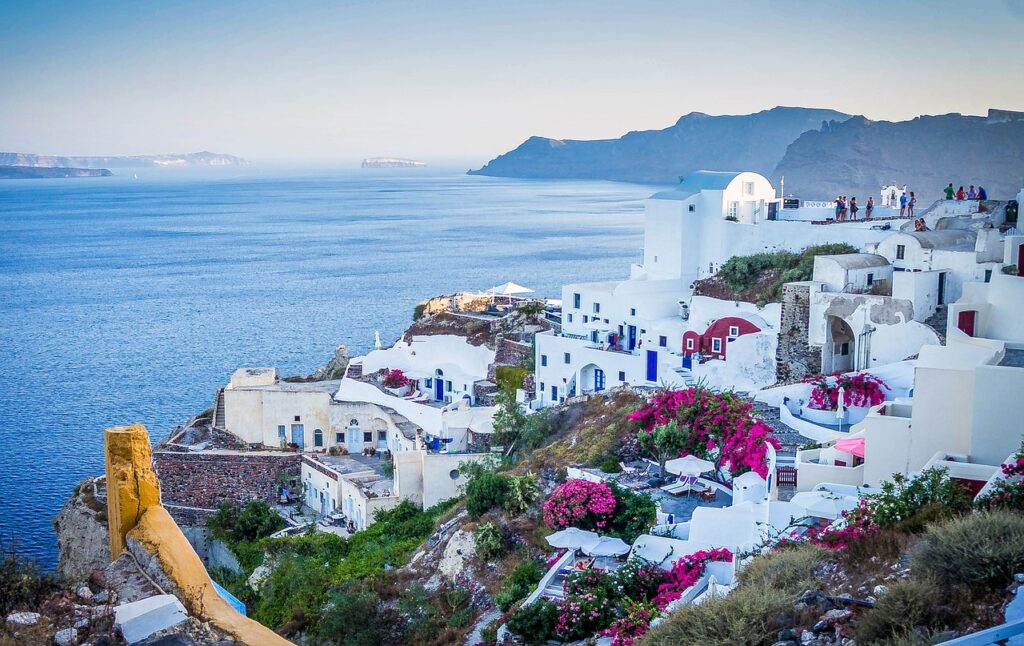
23, 583
983, 549
534, 624
490, 540
519, 584
350, 618
485, 492
741, 273
907, 605
536, 430
510, 378
634, 515
521, 492
297, 585
902, 497
791, 570
418, 311
611, 465
234, 523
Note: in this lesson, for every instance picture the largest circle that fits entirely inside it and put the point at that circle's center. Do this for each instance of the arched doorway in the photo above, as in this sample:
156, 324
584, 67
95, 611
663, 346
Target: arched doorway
592, 379
837, 355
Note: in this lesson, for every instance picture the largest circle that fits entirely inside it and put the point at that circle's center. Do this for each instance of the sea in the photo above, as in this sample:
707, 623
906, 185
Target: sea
132, 298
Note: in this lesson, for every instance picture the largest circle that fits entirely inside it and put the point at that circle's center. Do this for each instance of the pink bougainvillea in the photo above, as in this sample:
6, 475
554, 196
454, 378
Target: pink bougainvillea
859, 523
395, 378
861, 390
580, 503
632, 624
686, 572
722, 427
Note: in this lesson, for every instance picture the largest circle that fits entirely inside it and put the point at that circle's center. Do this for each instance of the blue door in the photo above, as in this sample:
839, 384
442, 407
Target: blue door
632, 338
298, 435
439, 389
652, 365
598, 380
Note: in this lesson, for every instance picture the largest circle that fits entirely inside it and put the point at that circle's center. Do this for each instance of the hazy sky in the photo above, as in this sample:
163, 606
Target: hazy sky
290, 80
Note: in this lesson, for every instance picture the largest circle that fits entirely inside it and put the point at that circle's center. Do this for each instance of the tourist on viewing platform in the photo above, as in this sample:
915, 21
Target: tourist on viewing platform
853, 208
971, 194
960, 194
892, 197
839, 206
911, 203
842, 207
903, 204
949, 191
982, 193
869, 208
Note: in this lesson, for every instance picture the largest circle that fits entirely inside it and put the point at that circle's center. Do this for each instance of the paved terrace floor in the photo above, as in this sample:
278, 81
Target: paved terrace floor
683, 506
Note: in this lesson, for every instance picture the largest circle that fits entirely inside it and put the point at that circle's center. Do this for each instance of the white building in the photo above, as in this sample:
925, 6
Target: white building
347, 485
630, 331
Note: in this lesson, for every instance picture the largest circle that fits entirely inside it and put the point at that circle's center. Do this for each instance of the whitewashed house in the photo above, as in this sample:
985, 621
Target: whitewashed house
630, 331
346, 485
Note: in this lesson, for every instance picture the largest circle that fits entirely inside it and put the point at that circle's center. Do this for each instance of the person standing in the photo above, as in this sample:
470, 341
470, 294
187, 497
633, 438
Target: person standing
949, 191
853, 208
839, 206
903, 204
971, 195
982, 193
911, 203
960, 194
869, 208
843, 207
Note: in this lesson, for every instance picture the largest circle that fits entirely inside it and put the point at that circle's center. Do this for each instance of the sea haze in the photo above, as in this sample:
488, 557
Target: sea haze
128, 300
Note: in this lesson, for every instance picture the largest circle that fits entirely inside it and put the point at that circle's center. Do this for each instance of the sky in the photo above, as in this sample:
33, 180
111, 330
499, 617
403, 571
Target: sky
320, 82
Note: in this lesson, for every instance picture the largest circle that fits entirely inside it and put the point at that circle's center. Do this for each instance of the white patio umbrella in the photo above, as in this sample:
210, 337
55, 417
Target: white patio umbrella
822, 504
689, 465
509, 289
571, 538
606, 546
840, 405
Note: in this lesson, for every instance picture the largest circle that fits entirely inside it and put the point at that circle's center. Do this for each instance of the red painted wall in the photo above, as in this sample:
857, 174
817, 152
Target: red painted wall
717, 330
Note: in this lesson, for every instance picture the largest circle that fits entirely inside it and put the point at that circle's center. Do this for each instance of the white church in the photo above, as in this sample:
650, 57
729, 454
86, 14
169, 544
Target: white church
630, 331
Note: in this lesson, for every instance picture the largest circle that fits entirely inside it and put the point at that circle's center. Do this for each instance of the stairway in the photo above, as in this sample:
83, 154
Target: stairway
218, 410
937, 322
687, 376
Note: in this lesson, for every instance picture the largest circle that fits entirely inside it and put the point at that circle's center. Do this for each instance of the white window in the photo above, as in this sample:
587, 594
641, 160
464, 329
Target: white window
622, 375
568, 358
597, 308
734, 209
689, 343
716, 345
734, 330
748, 188
585, 318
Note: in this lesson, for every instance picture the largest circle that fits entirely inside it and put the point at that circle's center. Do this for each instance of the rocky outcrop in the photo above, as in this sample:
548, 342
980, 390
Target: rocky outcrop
83, 543
460, 549
335, 368
32, 172
204, 158
697, 141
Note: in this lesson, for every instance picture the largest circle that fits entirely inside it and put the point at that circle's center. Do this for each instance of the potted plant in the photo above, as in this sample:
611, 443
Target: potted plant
861, 391
396, 382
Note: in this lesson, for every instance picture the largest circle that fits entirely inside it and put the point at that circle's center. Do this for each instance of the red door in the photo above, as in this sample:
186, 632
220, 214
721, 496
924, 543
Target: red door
965, 322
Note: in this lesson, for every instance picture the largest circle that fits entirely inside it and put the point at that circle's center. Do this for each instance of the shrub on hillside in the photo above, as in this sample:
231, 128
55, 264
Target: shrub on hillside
23, 583
350, 618
908, 605
490, 540
902, 497
635, 513
510, 378
519, 584
485, 492
580, 503
535, 624
789, 569
741, 273
234, 523
983, 549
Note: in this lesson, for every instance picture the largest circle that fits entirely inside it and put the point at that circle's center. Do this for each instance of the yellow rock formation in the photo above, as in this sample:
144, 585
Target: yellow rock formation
134, 509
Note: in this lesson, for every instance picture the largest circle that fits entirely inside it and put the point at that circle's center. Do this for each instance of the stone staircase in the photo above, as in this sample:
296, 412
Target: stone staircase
937, 322
218, 410
687, 376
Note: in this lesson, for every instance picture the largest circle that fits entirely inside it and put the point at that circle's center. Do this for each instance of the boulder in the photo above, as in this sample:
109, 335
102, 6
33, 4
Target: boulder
140, 619
16, 619
66, 637
461, 548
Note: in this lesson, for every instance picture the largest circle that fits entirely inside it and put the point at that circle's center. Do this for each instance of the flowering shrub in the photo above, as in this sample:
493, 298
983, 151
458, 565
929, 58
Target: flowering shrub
687, 571
395, 379
639, 580
588, 606
1008, 493
632, 624
580, 503
859, 523
861, 390
721, 427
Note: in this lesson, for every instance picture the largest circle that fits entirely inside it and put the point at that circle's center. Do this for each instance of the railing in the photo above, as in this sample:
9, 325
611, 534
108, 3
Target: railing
997, 635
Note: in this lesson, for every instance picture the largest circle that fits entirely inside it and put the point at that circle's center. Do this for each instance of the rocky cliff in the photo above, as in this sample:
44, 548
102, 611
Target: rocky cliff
38, 172
858, 156
697, 141
83, 543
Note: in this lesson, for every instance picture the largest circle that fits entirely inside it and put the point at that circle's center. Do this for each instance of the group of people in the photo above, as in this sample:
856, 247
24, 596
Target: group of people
970, 194
850, 207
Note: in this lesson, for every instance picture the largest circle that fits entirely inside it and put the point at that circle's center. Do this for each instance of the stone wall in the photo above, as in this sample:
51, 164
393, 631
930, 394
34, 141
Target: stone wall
201, 481
795, 358
511, 353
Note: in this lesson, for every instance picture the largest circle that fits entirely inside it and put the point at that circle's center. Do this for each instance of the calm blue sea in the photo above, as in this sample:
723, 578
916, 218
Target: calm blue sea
128, 300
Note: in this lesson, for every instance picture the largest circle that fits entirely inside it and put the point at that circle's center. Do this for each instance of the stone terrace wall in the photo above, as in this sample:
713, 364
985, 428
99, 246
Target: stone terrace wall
202, 481
794, 358
511, 353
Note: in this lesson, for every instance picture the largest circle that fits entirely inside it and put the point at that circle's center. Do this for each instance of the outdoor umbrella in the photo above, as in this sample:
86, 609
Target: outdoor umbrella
606, 546
841, 406
571, 538
689, 465
823, 504
509, 289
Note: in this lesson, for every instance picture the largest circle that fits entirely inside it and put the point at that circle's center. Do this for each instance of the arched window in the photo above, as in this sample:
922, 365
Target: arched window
439, 372
353, 422
318, 437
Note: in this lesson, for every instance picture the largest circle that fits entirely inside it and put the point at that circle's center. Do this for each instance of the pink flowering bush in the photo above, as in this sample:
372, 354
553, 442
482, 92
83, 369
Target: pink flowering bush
395, 379
630, 626
589, 605
721, 427
1008, 493
862, 390
580, 503
687, 571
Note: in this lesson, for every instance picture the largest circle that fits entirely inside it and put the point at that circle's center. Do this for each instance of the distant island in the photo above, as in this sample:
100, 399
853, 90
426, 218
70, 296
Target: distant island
39, 172
392, 162
204, 158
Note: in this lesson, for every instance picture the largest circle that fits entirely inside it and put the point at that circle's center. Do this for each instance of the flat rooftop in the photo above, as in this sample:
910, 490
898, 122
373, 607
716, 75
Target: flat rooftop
348, 464
1013, 359
329, 387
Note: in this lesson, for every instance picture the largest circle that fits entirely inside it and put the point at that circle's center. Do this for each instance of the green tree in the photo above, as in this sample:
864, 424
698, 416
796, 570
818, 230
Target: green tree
665, 442
509, 419
350, 619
